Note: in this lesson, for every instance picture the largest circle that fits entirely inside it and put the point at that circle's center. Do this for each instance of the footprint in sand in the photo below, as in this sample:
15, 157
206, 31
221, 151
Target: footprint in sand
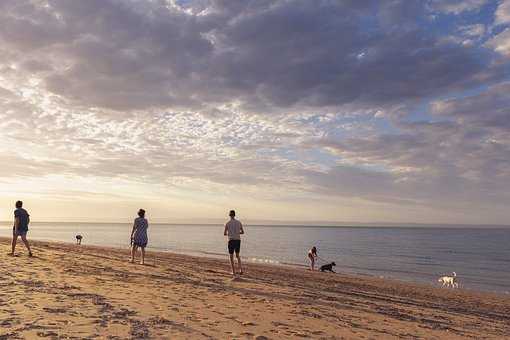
55, 310
8, 322
280, 324
301, 335
47, 334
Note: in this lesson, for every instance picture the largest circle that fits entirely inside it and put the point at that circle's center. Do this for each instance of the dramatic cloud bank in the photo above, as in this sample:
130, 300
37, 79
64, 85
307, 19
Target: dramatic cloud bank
286, 109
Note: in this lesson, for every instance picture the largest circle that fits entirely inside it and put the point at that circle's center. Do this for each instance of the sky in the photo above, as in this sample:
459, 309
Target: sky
290, 110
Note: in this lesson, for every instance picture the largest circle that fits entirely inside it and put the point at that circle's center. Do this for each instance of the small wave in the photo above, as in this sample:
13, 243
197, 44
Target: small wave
211, 253
259, 260
294, 264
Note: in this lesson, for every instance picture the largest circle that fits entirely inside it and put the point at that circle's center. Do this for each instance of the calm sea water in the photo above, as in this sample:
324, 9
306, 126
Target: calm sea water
480, 256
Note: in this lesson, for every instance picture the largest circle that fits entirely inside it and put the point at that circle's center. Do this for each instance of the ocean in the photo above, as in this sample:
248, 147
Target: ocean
479, 256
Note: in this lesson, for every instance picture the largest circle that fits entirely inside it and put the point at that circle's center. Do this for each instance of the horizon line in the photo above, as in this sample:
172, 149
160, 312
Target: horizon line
214, 221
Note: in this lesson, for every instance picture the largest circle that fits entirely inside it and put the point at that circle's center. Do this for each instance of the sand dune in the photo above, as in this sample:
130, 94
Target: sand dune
80, 292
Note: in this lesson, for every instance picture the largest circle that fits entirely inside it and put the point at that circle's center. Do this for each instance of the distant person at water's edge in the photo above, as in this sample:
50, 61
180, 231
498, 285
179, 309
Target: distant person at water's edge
312, 255
139, 236
234, 229
20, 228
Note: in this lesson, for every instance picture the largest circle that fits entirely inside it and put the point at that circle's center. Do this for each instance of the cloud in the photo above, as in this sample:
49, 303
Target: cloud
121, 55
146, 147
265, 55
502, 15
429, 170
457, 6
464, 157
501, 43
489, 109
322, 100
23, 167
473, 31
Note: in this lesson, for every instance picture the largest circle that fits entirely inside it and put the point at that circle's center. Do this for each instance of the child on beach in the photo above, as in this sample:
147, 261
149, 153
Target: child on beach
312, 255
139, 236
234, 229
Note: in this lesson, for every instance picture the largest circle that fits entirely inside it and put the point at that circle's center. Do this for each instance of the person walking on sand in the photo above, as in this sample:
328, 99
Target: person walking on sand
20, 228
312, 255
234, 229
139, 236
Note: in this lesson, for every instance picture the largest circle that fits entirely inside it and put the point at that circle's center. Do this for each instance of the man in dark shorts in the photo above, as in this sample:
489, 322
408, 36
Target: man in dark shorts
20, 228
234, 229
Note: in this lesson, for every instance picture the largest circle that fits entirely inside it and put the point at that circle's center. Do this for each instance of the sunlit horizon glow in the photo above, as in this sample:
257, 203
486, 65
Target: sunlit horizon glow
295, 110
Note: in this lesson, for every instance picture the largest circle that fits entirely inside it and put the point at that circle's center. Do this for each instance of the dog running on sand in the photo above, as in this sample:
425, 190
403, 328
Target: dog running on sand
328, 267
449, 281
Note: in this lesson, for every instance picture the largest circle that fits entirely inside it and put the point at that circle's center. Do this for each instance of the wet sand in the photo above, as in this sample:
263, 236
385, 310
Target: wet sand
83, 292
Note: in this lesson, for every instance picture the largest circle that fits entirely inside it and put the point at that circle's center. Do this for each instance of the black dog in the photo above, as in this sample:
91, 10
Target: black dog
328, 267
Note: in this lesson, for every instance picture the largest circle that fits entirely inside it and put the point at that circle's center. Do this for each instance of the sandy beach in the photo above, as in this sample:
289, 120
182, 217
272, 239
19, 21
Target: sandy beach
83, 292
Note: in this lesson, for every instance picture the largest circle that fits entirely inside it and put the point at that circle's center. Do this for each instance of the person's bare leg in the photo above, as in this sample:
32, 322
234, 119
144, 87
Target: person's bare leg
25, 241
14, 240
133, 252
239, 263
232, 264
142, 261
312, 265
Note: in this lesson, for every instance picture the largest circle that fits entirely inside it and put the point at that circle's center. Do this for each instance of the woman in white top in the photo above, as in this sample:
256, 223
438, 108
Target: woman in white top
312, 255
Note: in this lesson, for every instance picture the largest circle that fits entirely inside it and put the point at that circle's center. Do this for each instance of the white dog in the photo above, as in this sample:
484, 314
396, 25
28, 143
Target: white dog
449, 281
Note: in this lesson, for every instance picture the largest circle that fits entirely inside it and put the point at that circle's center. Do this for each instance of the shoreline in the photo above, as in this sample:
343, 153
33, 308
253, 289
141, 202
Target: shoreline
269, 262
93, 292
